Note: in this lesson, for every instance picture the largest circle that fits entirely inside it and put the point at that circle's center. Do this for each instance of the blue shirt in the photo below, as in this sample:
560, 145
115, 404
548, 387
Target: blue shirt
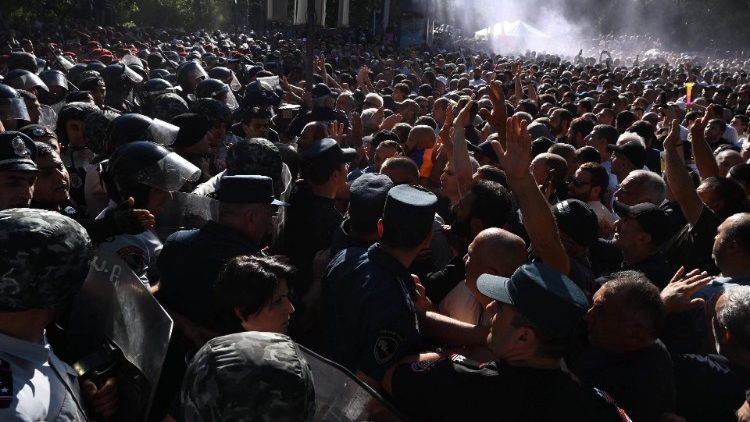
190, 263
369, 316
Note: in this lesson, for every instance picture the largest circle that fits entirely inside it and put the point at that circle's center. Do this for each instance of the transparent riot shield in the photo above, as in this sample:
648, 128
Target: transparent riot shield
342, 397
120, 331
186, 211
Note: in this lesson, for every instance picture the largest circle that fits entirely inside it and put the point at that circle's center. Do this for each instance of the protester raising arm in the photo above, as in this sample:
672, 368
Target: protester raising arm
538, 220
704, 157
678, 177
518, 91
460, 159
499, 114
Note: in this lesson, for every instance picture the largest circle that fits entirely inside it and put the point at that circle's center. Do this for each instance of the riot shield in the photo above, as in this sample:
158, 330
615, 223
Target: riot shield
342, 397
186, 211
121, 331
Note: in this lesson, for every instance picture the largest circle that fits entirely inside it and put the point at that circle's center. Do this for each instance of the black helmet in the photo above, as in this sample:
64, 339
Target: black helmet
72, 111
136, 167
96, 65
23, 79
133, 127
12, 105
158, 73
218, 90
156, 86
22, 60
166, 106
74, 74
260, 94
190, 71
115, 74
215, 110
225, 75
54, 77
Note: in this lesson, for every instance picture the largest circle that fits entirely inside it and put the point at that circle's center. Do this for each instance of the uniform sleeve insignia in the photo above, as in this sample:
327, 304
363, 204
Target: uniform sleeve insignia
135, 257
386, 346
6, 385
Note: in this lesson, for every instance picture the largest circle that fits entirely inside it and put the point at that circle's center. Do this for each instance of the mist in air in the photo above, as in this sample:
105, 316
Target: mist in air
569, 25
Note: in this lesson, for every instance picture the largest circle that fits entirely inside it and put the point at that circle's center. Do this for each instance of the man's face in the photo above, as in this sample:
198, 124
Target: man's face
502, 337
739, 126
438, 112
382, 154
628, 233
605, 321
98, 93
720, 247
52, 183
34, 109
449, 182
344, 103
16, 189
629, 191
580, 186
713, 132
621, 166
74, 129
556, 123
257, 128
274, 316
539, 170
263, 216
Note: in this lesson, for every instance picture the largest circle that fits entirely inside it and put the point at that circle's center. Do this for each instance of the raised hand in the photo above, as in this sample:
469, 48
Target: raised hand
678, 294
515, 157
497, 117
464, 116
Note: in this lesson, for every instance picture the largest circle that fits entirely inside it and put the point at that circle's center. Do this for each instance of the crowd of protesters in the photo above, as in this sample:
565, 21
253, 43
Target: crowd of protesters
473, 235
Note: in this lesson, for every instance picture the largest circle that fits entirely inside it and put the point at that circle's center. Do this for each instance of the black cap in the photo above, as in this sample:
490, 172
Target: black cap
193, 127
17, 152
633, 151
247, 190
484, 149
577, 220
321, 90
368, 194
327, 150
34, 131
653, 220
548, 298
410, 206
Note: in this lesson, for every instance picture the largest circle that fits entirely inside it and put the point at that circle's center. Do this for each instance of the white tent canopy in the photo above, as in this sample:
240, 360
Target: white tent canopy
517, 29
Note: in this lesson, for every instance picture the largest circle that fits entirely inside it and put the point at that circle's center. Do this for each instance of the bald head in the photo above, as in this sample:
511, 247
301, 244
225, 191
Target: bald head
494, 251
420, 137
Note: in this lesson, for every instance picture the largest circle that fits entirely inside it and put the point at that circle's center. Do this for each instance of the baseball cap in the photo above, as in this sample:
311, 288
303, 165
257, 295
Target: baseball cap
247, 190
248, 376
652, 219
548, 298
367, 197
17, 152
327, 150
577, 220
633, 151
321, 90
44, 257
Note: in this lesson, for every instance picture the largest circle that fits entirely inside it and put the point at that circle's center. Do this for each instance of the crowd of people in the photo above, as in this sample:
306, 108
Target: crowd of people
472, 235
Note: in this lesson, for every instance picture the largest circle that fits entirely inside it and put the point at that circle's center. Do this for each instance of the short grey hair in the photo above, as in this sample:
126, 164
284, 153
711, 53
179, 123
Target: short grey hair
629, 137
734, 315
653, 187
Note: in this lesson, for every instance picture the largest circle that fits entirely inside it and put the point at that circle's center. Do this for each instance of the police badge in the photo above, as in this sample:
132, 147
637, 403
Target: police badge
19, 147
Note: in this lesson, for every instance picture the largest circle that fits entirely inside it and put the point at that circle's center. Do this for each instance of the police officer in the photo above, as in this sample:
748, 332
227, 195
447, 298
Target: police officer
535, 316
13, 112
191, 259
232, 378
34, 384
18, 171
368, 300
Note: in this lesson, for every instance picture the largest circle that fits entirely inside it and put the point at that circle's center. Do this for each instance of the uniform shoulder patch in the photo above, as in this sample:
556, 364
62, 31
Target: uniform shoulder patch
386, 346
6, 385
134, 256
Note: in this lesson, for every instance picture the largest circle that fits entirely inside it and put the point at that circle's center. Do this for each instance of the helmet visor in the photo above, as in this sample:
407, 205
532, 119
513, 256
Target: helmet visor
13, 108
235, 84
54, 79
162, 132
231, 100
170, 173
31, 80
131, 74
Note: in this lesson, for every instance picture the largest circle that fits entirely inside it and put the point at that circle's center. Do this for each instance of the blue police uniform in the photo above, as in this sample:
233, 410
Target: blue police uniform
190, 262
369, 314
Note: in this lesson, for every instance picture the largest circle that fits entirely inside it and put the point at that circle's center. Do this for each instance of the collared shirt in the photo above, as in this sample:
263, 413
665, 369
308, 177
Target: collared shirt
369, 316
35, 385
190, 262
